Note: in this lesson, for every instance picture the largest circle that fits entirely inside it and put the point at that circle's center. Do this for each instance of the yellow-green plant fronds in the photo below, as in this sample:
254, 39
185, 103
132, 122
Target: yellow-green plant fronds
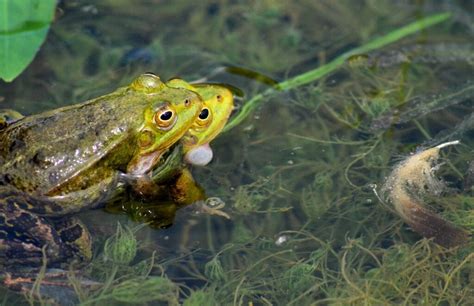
201, 297
405, 188
122, 246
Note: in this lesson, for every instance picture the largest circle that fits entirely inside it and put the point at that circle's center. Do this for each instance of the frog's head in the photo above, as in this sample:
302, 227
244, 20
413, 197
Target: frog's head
168, 117
218, 102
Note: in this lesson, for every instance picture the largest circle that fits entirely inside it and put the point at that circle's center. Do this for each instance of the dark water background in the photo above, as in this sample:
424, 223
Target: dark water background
298, 175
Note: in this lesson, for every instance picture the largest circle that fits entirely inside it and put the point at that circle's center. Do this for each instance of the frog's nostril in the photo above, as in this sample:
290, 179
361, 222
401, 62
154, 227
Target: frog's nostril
187, 102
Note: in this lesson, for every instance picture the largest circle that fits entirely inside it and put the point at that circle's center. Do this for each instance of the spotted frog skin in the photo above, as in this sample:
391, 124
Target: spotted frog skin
63, 161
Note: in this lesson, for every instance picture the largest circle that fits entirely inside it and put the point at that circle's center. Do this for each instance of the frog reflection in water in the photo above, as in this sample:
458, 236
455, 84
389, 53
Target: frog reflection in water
74, 158
177, 187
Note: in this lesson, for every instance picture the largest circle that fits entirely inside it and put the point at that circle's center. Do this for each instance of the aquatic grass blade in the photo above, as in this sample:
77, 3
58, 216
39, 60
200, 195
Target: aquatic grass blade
23, 28
336, 63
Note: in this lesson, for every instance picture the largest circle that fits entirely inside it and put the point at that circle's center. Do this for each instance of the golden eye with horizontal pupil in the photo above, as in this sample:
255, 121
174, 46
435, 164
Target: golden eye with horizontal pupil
204, 114
165, 118
204, 117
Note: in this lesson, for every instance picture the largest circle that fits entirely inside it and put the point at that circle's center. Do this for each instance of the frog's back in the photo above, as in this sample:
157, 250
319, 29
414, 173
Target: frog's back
40, 152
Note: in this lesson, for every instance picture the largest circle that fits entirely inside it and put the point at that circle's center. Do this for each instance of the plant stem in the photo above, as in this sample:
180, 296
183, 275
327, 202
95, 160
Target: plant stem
335, 64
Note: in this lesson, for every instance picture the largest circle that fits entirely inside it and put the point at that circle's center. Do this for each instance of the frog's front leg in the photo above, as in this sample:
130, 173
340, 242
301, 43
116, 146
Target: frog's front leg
185, 190
25, 237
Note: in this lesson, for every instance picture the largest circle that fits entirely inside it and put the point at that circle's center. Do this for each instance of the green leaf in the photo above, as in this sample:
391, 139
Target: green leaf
23, 28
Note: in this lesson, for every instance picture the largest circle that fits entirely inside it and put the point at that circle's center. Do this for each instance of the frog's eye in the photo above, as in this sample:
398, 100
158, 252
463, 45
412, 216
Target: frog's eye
165, 118
204, 114
204, 117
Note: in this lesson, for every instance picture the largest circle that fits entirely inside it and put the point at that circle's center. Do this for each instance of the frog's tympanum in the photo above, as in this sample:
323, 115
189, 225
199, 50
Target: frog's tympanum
176, 185
74, 158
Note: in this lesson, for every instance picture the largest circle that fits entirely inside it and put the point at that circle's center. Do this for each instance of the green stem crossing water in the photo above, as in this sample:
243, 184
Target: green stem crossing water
335, 64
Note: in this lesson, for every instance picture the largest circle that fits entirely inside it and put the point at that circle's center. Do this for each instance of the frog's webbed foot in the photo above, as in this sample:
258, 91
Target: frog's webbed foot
211, 206
8, 116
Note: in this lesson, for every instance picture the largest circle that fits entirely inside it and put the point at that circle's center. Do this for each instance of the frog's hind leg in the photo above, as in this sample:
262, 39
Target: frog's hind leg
8, 116
23, 236
75, 235
26, 238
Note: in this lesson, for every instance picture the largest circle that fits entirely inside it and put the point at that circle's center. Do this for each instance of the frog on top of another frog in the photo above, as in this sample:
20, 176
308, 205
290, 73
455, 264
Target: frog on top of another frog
173, 179
63, 161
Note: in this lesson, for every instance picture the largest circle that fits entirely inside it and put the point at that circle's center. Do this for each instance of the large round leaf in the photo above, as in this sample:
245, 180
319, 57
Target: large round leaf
23, 28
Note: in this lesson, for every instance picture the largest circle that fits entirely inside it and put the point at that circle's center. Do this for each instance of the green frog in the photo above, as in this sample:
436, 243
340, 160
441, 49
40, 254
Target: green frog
175, 184
57, 163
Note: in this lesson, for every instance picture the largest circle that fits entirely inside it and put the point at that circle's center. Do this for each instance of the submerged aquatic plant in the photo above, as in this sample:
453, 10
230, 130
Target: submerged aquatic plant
320, 72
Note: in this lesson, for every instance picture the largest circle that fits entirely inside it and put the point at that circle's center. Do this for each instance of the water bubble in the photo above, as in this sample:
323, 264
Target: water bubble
215, 202
281, 240
90, 9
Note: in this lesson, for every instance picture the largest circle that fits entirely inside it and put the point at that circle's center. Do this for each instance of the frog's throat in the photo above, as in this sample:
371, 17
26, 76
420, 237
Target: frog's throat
199, 156
144, 163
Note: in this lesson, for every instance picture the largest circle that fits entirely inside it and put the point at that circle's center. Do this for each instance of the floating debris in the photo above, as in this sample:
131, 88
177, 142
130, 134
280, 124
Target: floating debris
405, 187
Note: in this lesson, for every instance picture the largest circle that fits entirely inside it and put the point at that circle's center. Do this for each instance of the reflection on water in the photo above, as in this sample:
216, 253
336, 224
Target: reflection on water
298, 175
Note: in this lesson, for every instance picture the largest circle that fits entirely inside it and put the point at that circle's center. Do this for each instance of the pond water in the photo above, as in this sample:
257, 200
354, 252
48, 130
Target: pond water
301, 175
